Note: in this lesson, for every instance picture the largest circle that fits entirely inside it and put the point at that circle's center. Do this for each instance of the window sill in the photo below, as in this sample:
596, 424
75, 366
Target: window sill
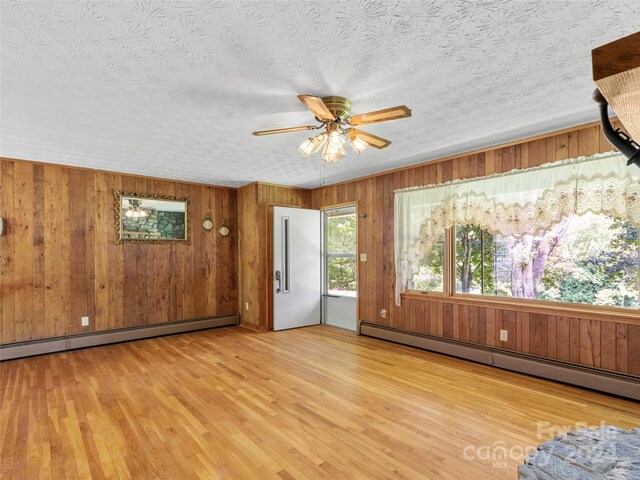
630, 316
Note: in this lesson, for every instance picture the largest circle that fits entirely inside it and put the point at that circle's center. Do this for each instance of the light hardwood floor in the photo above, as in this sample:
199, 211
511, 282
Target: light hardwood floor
309, 403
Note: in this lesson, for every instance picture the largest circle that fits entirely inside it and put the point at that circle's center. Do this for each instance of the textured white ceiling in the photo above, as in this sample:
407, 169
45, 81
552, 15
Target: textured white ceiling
174, 89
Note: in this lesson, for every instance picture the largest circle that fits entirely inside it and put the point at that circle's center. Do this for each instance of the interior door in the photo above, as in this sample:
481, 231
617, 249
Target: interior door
296, 264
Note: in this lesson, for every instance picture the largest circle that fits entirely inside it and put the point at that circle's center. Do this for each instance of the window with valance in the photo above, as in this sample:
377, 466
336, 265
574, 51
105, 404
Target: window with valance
565, 231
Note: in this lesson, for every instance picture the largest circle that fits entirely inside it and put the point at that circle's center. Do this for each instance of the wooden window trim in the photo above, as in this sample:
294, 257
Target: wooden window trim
560, 309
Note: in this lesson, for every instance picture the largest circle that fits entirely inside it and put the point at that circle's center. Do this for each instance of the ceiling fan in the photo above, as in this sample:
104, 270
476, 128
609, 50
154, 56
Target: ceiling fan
333, 115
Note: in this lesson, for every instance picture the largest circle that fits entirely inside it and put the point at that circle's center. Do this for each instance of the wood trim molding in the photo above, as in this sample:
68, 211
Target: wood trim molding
476, 151
595, 379
268, 184
12, 351
342, 182
341, 205
279, 185
113, 172
590, 312
247, 185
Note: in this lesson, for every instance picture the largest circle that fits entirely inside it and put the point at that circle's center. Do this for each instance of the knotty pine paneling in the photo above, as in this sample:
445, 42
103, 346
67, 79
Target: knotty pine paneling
598, 343
58, 260
254, 201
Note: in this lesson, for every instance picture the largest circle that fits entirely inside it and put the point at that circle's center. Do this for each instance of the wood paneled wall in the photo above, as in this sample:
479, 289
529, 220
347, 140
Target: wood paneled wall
601, 343
59, 262
254, 201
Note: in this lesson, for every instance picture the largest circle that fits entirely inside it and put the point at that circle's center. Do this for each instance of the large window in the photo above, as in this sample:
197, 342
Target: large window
590, 259
340, 255
563, 232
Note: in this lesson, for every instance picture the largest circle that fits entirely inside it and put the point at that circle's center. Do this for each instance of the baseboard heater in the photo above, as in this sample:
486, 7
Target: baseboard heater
610, 382
71, 342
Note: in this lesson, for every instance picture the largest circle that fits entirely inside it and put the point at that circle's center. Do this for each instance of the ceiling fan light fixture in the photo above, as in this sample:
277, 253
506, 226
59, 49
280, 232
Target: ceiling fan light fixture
358, 145
306, 147
333, 114
335, 141
333, 149
312, 145
333, 157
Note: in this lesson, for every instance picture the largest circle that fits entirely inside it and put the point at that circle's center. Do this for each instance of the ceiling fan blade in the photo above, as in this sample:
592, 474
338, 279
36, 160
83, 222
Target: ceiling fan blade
369, 138
317, 107
393, 113
284, 130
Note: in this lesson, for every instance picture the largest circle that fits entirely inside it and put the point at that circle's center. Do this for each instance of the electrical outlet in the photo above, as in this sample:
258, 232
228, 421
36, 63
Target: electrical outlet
383, 313
504, 335
85, 321
363, 257
246, 306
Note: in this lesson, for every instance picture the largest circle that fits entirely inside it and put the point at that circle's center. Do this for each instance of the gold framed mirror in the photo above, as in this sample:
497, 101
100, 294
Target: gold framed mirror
147, 218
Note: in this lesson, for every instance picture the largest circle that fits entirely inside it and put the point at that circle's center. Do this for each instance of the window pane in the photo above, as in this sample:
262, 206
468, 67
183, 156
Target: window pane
474, 260
590, 259
342, 274
430, 277
341, 234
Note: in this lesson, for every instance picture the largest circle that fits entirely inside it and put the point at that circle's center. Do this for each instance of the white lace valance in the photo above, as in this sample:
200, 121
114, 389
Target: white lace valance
517, 203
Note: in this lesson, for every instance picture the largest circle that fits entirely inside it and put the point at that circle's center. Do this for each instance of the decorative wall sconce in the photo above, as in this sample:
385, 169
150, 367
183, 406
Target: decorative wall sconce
207, 223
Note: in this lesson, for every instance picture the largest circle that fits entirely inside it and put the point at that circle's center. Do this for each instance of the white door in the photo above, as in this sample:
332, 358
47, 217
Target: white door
296, 267
340, 268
